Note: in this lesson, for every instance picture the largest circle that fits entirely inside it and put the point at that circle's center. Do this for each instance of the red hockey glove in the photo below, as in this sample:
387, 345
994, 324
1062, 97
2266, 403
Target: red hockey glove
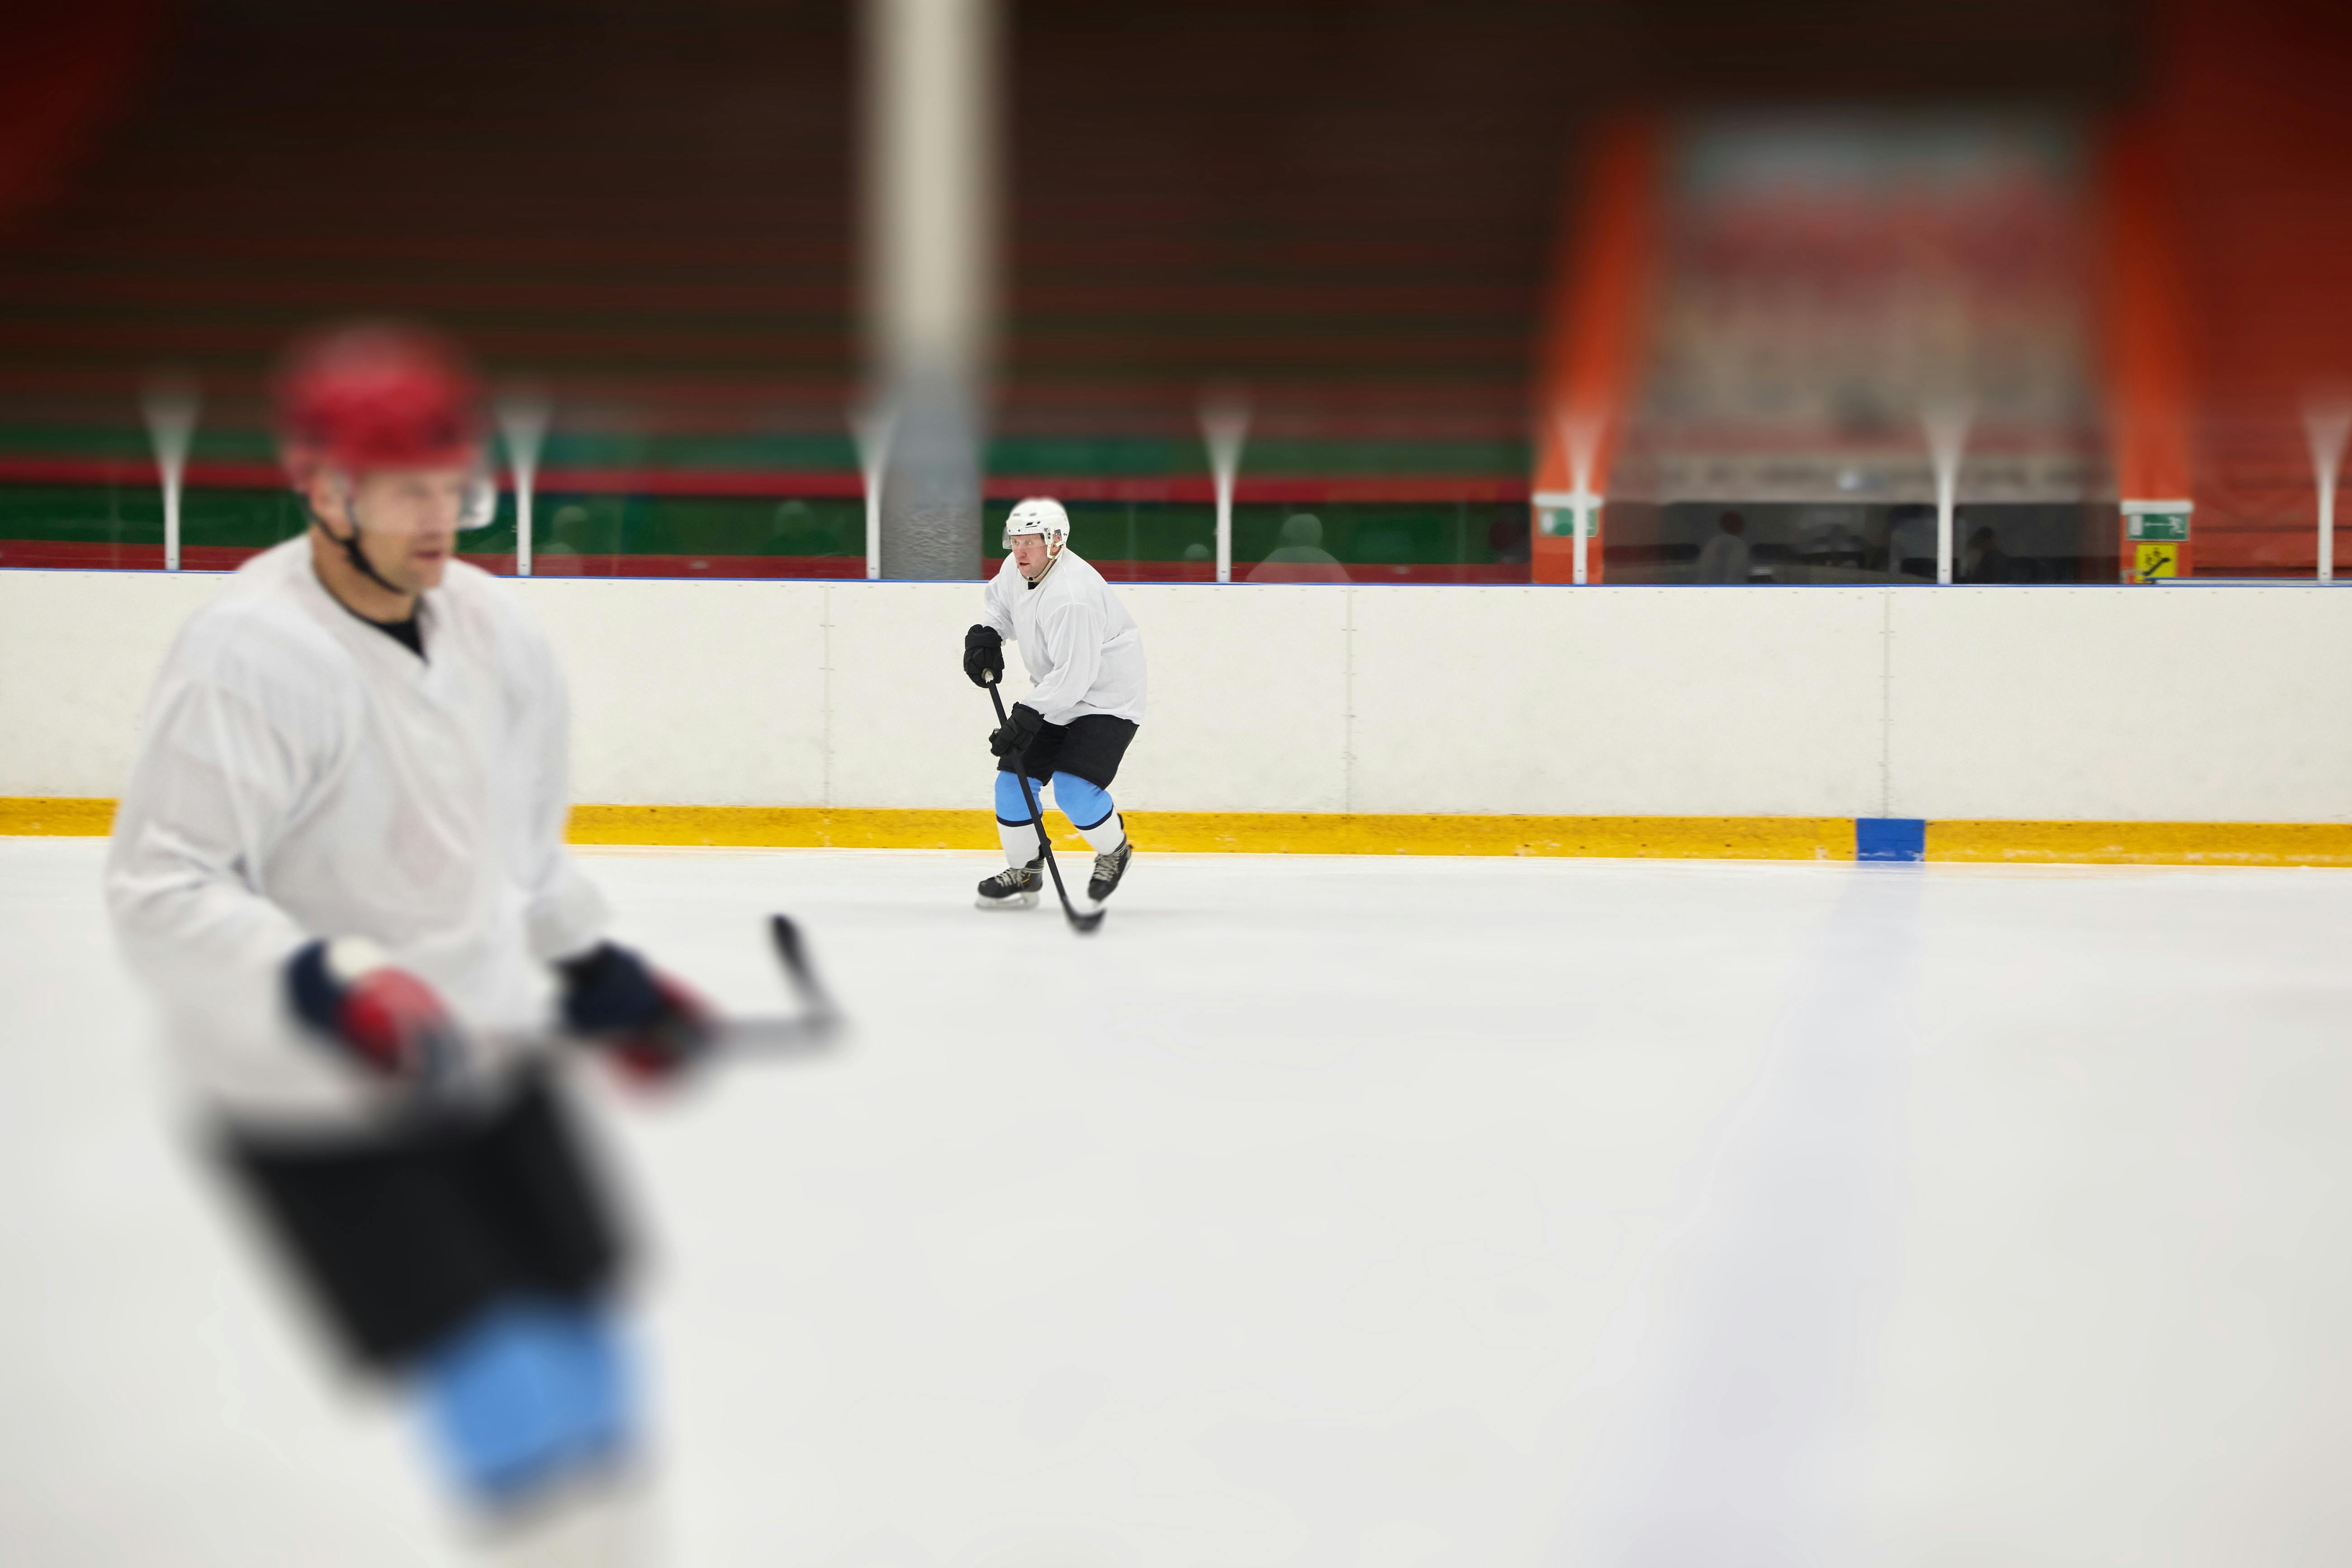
385, 1018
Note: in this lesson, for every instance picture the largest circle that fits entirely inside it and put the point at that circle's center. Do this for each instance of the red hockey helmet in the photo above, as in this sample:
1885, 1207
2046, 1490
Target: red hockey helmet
377, 396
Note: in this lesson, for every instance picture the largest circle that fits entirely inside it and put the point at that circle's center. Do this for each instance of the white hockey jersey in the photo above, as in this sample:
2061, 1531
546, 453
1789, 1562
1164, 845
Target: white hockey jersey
1080, 647
301, 774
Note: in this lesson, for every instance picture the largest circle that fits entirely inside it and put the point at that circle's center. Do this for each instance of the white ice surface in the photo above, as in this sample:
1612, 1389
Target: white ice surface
1347, 1212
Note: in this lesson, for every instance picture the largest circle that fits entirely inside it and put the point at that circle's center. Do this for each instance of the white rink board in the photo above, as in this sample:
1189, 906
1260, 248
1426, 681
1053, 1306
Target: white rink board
2124, 704
2082, 703
1631, 702
1347, 1211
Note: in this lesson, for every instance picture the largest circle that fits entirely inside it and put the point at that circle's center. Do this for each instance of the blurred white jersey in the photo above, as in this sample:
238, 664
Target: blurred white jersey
302, 774
1078, 644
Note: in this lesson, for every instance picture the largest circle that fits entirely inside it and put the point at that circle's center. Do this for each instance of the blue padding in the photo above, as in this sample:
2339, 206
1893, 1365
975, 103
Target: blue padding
1085, 805
1890, 839
525, 1393
1009, 806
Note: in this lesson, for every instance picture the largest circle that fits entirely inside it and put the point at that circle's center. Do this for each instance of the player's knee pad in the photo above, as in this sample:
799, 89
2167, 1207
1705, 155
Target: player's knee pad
1085, 805
1011, 807
528, 1394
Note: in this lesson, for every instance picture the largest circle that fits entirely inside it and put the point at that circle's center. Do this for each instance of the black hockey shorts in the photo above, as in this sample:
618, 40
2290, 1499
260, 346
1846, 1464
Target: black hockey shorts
401, 1238
1090, 745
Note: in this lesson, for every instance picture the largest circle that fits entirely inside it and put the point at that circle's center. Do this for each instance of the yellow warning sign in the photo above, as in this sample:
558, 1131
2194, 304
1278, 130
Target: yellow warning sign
2156, 560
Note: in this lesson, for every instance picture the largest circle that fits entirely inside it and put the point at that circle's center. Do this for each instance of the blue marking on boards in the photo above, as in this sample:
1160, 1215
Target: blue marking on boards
1890, 839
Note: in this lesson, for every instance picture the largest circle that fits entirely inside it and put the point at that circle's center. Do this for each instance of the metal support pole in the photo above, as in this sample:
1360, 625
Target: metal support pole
170, 406
2326, 425
1580, 444
1225, 527
523, 419
1947, 494
2327, 524
1946, 424
870, 426
1225, 425
172, 477
1582, 509
931, 211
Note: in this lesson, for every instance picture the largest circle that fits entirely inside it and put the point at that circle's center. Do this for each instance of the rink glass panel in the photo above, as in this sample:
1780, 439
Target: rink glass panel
121, 525
593, 535
1385, 541
1806, 543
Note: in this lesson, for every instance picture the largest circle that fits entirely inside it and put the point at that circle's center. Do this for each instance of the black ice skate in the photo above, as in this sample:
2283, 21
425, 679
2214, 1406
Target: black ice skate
1109, 869
1014, 887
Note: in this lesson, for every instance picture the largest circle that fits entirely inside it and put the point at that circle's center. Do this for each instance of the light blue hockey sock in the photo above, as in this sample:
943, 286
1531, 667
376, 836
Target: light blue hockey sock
526, 1393
1091, 810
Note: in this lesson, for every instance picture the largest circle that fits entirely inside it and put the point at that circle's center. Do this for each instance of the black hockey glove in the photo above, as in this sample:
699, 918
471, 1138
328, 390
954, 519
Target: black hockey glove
655, 1026
983, 656
1019, 728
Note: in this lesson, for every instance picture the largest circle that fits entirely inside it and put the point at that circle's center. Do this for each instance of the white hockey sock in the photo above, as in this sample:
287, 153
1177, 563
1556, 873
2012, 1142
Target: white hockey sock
1107, 835
597, 1522
1019, 841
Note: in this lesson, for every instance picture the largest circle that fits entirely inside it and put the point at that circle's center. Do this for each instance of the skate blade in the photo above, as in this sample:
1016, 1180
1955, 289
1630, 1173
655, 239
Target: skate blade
1017, 902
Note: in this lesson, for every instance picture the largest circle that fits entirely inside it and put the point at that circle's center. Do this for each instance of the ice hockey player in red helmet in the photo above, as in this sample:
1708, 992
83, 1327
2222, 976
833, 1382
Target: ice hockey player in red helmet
381, 431
341, 864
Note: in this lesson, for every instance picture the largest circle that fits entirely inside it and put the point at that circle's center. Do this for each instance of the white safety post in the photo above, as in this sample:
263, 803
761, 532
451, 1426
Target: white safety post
1579, 440
522, 418
1946, 424
170, 406
1581, 506
2326, 423
1224, 425
869, 425
1580, 510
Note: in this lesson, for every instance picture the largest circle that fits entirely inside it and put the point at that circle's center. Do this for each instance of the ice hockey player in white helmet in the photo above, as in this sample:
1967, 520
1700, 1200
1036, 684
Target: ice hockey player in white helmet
340, 862
1085, 659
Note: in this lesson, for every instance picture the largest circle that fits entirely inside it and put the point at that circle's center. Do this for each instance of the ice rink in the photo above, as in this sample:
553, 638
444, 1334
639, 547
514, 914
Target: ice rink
1327, 1212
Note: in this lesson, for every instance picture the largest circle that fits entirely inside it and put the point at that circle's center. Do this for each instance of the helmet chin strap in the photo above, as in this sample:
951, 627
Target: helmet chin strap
351, 550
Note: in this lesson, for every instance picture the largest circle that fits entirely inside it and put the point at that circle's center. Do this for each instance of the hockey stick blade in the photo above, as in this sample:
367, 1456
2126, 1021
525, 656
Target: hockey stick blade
793, 954
813, 1029
1084, 924
778, 1037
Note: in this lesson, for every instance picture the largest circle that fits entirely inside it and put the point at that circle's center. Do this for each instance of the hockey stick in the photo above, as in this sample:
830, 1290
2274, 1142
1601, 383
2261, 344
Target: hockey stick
444, 1095
1079, 922
812, 1028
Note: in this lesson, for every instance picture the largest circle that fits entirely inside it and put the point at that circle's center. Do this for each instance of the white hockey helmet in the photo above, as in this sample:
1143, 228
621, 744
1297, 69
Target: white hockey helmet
1042, 515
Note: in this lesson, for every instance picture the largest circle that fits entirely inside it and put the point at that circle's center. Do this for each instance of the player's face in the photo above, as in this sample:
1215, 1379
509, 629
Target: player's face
407, 521
1029, 553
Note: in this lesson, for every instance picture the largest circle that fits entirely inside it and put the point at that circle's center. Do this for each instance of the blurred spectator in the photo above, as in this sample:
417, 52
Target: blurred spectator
1911, 541
1726, 557
1507, 537
1300, 557
1984, 560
